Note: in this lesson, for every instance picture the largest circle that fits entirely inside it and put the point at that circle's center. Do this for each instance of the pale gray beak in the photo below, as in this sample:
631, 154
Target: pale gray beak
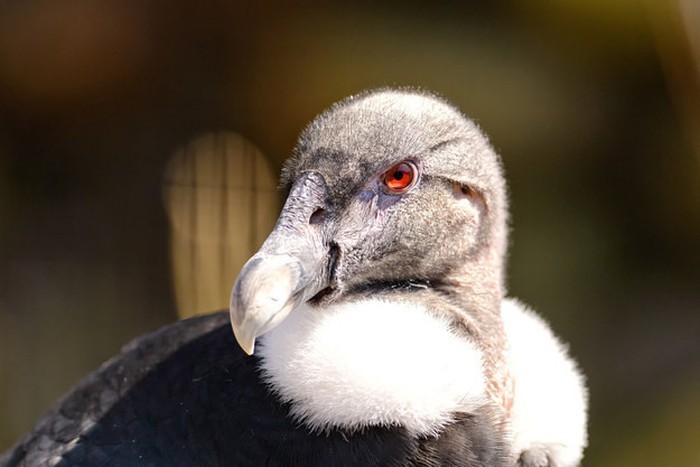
290, 268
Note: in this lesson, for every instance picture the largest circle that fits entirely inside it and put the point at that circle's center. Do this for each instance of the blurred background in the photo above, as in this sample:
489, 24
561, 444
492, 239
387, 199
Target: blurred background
140, 144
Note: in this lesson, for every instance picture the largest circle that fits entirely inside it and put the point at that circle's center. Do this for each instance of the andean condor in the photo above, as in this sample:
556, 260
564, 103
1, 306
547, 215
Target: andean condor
375, 316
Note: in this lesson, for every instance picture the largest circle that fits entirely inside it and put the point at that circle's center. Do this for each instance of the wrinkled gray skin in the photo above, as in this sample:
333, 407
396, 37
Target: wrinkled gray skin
341, 235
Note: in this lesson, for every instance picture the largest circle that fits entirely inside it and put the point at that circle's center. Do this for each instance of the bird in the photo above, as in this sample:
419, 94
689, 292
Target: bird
371, 328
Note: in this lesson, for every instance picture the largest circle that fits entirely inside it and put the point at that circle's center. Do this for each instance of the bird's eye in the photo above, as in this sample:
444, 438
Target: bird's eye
400, 178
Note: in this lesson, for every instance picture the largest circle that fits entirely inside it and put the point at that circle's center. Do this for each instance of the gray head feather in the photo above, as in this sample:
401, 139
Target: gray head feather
344, 233
431, 232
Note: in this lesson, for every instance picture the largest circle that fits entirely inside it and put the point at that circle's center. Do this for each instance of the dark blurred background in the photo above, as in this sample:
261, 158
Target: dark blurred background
140, 143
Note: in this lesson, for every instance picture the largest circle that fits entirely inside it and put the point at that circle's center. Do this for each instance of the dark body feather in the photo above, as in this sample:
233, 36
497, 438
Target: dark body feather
186, 395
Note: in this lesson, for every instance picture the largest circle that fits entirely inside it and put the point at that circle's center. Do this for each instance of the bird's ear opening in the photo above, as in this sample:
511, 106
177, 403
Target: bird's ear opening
466, 191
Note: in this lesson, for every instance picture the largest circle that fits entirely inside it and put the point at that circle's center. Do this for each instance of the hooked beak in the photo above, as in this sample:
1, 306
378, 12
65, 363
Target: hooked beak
290, 268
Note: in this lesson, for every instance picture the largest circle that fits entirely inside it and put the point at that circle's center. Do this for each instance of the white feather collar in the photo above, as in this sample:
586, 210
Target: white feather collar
372, 363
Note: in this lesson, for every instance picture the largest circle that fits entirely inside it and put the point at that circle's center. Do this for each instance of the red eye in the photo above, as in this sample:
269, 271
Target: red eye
400, 177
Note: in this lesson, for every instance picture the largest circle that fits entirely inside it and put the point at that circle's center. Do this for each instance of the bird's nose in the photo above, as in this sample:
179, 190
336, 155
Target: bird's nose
289, 269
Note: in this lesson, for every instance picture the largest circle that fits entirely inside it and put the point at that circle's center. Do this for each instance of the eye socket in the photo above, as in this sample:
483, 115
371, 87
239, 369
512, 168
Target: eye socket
400, 178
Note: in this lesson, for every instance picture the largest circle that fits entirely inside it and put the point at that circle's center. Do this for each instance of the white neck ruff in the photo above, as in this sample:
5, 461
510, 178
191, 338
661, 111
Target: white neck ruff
372, 363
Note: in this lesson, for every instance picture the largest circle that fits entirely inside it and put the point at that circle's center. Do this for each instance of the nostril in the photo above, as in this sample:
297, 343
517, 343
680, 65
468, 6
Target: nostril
317, 217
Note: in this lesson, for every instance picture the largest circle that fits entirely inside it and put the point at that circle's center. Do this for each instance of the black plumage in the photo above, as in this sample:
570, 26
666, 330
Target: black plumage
187, 395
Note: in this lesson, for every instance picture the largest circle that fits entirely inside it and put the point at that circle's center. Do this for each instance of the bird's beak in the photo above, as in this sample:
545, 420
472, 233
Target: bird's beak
290, 267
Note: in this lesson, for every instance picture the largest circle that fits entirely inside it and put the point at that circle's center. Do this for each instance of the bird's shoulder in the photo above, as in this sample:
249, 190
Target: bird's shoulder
187, 395
104, 393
